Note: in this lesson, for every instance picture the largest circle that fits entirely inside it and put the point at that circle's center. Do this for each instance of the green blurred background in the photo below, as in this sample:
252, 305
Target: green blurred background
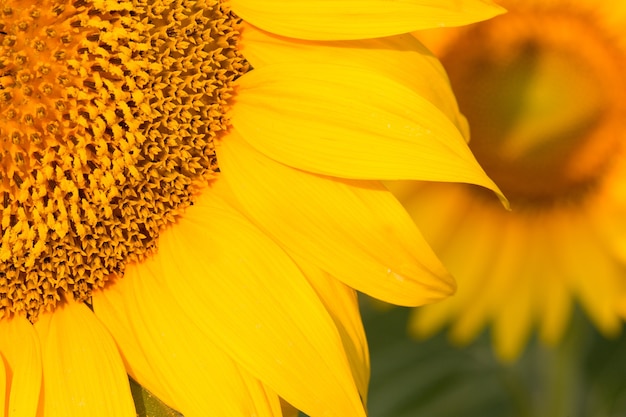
582, 377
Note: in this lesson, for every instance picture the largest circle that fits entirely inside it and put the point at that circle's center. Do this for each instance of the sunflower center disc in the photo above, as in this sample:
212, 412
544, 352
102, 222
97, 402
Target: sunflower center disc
108, 112
544, 94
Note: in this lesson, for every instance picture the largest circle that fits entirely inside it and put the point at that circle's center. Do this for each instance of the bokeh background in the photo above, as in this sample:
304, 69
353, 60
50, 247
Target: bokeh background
584, 376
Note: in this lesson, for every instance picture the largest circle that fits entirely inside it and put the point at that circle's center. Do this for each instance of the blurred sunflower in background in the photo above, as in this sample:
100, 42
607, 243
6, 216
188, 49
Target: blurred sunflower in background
543, 89
190, 194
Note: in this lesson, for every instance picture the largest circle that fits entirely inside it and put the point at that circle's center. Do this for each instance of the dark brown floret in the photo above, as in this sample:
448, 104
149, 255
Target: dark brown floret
108, 112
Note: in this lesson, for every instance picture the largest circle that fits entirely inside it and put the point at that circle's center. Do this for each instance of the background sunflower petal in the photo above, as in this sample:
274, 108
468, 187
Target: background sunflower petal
328, 119
355, 230
358, 19
83, 373
245, 293
464, 251
20, 349
598, 296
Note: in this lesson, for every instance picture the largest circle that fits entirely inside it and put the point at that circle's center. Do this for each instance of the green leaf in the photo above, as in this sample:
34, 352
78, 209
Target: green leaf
147, 404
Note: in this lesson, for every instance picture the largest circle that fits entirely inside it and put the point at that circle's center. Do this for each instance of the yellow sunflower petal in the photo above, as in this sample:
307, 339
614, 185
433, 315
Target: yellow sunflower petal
328, 119
19, 347
358, 19
247, 295
599, 295
356, 231
112, 314
553, 297
512, 322
83, 374
445, 214
3, 383
342, 304
402, 58
487, 294
462, 254
200, 378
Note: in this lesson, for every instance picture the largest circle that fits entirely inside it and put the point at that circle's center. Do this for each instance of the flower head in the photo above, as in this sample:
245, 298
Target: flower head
171, 213
543, 90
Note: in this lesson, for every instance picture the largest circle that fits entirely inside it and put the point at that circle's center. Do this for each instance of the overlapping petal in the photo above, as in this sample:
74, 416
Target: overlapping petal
358, 19
83, 374
19, 347
461, 228
355, 230
458, 241
3, 383
198, 376
342, 303
243, 291
291, 113
402, 58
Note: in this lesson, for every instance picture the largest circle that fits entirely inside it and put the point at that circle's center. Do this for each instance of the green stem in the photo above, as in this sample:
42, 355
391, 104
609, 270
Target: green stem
559, 392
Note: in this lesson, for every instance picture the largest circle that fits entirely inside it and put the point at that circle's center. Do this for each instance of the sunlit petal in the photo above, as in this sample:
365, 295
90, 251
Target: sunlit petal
392, 133
402, 58
158, 325
243, 291
19, 346
83, 373
342, 304
394, 262
357, 19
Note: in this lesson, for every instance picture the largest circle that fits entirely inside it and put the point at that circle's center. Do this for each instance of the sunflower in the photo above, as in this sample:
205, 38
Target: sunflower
170, 213
543, 90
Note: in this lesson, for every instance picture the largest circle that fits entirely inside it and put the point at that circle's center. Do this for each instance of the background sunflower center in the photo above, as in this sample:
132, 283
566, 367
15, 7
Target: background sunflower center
543, 94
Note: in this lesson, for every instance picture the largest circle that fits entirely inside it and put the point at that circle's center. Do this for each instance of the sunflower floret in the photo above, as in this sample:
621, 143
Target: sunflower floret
108, 112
